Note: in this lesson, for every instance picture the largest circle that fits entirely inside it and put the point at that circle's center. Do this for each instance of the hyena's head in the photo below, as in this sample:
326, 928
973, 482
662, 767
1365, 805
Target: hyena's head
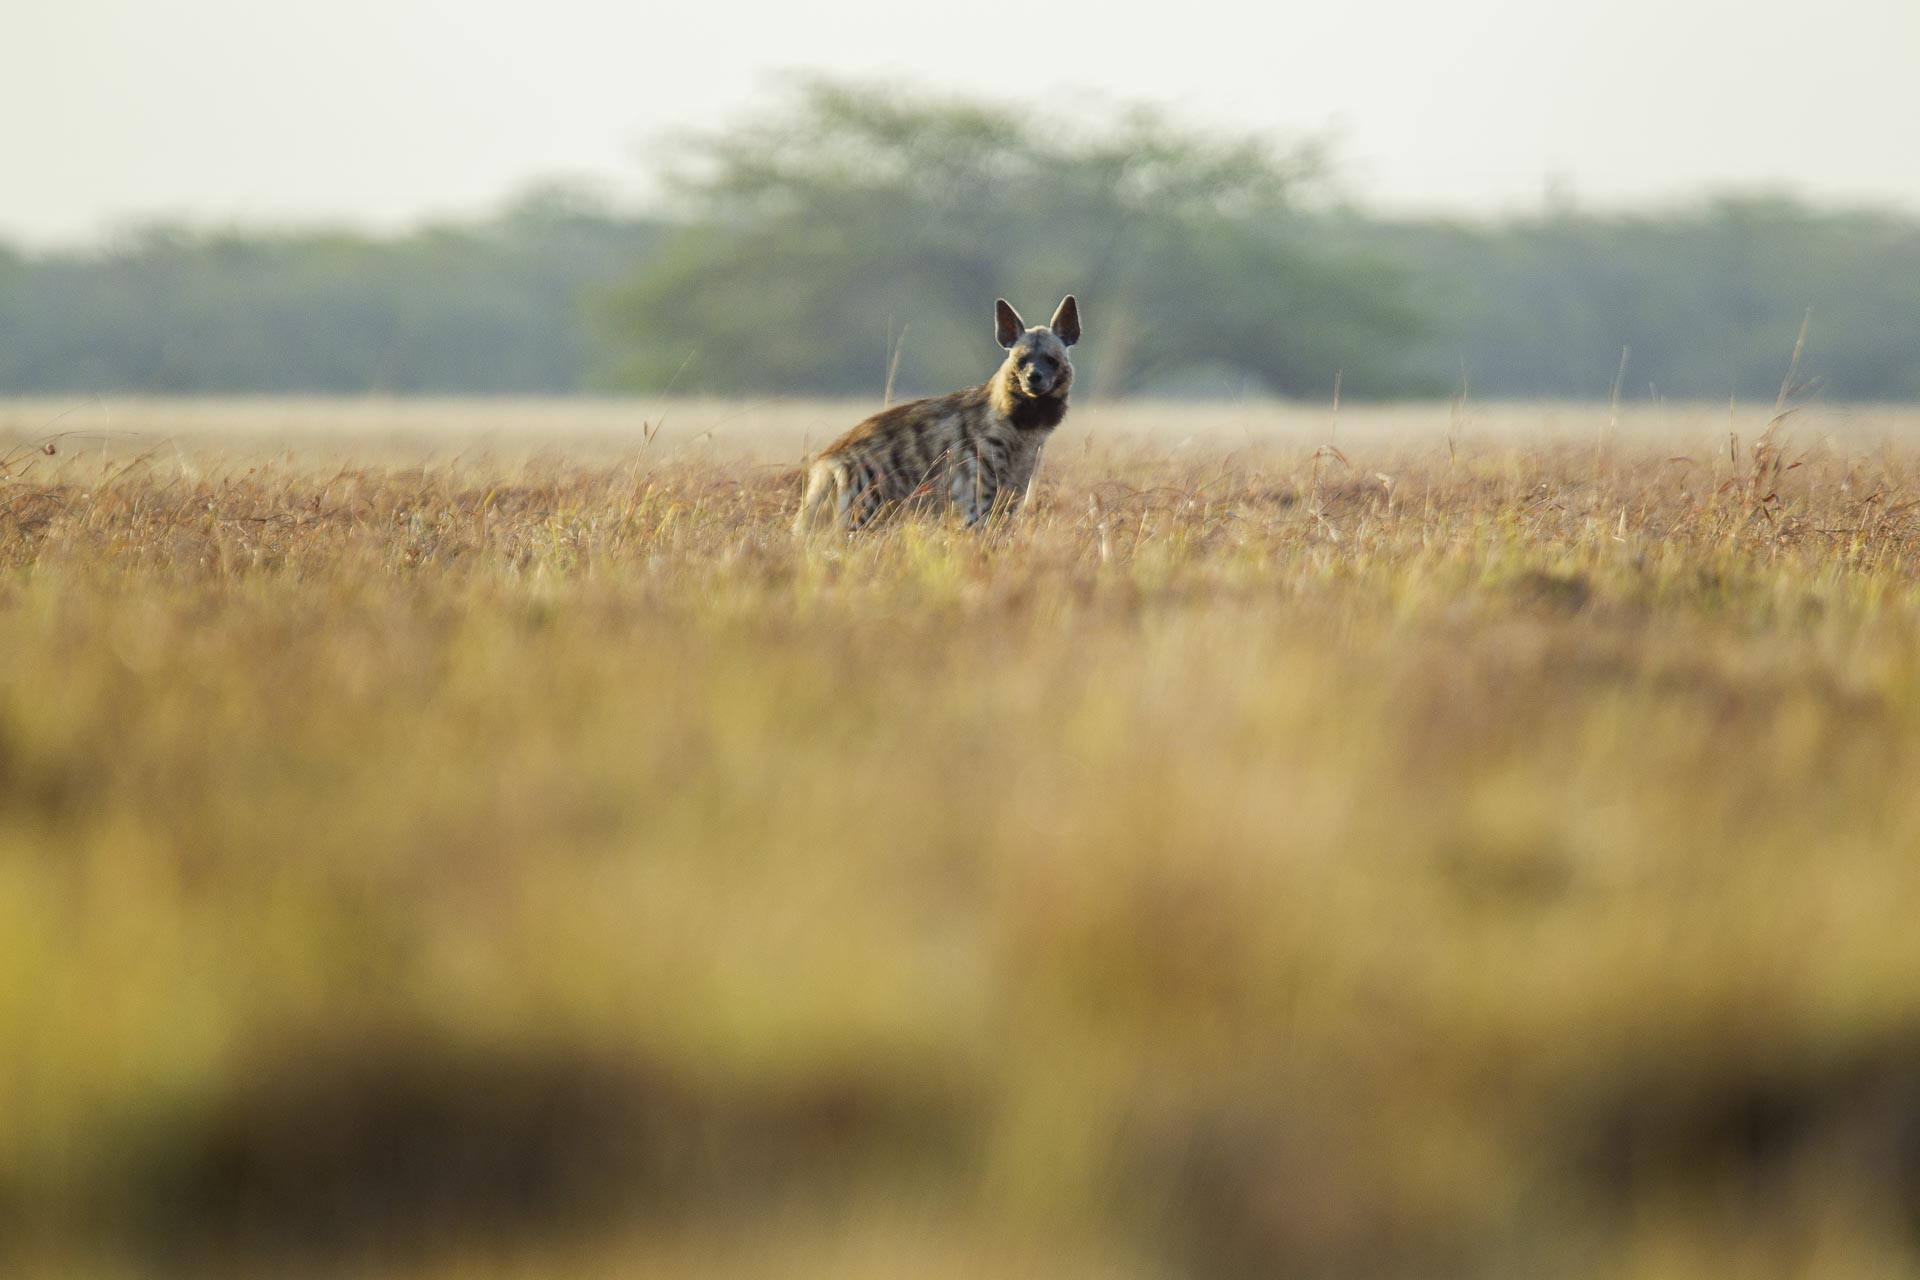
1037, 363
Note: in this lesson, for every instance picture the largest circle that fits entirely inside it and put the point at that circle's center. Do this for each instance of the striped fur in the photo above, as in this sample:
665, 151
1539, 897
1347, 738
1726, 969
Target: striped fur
974, 451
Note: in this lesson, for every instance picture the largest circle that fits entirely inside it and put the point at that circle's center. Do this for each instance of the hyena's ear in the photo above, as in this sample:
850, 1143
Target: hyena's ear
1007, 324
1066, 321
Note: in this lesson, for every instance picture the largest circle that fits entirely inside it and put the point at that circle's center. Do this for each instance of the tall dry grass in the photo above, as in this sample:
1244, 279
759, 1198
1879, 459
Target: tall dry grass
1471, 852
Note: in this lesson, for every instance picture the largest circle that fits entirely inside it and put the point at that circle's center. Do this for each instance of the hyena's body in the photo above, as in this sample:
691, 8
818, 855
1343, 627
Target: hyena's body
974, 450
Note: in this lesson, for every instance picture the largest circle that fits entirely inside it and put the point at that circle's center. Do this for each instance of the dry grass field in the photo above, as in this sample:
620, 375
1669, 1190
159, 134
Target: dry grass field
478, 841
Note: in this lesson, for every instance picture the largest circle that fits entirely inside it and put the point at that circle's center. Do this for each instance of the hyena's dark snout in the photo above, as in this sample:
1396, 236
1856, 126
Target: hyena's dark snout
1038, 382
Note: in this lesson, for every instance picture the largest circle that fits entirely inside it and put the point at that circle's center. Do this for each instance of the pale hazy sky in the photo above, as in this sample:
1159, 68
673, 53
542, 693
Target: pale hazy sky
382, 111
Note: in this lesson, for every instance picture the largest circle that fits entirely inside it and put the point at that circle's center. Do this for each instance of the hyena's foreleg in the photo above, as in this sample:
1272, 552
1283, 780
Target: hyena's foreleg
1033, 480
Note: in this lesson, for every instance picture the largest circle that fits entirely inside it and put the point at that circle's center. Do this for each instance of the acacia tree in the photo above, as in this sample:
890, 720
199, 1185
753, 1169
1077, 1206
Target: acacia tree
858, 222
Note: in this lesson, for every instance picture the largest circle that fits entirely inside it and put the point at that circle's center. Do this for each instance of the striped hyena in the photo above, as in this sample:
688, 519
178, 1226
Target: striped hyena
974, 449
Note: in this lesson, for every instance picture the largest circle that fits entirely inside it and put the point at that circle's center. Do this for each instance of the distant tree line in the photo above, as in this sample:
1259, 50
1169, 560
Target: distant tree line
1707, 302
489, 307
859, 237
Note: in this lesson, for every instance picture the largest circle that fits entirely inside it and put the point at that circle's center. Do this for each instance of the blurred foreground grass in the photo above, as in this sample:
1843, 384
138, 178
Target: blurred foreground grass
1487, 860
